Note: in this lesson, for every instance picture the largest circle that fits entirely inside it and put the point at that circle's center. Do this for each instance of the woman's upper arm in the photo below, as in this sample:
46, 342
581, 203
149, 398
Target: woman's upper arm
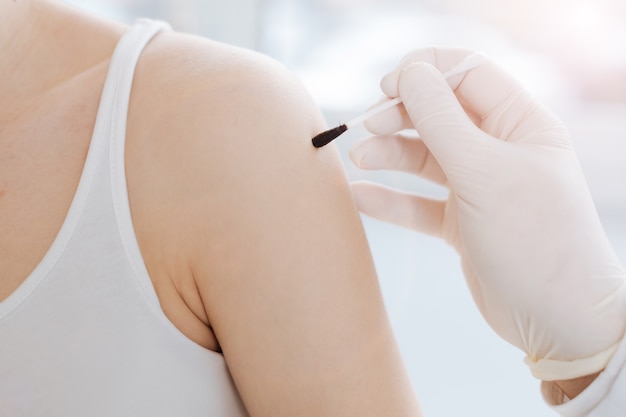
280, 258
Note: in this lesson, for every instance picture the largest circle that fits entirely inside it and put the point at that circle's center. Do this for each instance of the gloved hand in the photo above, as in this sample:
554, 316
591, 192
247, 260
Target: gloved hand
519, 213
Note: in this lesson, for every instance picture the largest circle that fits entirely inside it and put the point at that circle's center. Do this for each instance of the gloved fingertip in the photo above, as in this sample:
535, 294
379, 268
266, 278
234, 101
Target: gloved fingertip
389, 83
387, 122
358, 153
383, 124
418, 73
361, 194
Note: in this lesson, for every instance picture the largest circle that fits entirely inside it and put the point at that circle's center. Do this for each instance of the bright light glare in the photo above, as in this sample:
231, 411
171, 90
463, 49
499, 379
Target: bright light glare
587, 17
588, 25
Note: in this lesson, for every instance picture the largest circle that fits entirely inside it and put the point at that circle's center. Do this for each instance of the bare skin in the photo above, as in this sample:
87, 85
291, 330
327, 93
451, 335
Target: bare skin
46, 119
572, 387
249, 234
212, 171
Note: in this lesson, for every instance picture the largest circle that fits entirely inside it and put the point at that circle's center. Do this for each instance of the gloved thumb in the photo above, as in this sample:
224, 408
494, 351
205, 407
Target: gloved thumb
437, 114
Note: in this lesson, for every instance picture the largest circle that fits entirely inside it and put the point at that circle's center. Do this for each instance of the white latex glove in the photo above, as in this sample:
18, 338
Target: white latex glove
536, 258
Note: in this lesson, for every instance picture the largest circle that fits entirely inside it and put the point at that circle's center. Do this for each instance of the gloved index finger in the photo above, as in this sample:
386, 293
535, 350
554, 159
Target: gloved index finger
443, 59
392, 123
484, 89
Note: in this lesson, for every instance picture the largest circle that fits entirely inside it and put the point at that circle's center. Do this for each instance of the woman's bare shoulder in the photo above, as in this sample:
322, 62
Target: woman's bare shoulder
205, 93
210, 125
266, 231
208, 106
194, 76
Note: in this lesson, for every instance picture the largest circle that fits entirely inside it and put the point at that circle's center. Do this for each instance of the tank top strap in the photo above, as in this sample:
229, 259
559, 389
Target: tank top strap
114, 107
113, 110
108, 134
88, 315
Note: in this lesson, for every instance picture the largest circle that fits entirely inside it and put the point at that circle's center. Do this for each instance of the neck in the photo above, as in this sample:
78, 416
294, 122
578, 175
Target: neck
17, 28
21, 29
44, 43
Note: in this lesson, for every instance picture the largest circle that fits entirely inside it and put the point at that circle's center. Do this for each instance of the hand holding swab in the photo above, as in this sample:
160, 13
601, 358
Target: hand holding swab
324, 138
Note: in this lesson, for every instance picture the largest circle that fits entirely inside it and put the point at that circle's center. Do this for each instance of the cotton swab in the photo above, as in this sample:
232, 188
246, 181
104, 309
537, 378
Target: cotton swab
324, 138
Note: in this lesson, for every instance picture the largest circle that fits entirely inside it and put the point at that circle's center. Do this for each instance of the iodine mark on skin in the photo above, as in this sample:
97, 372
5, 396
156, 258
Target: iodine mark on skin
2, 193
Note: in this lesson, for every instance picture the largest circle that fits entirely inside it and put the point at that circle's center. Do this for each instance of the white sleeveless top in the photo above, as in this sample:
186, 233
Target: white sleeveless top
606, 396
84, 335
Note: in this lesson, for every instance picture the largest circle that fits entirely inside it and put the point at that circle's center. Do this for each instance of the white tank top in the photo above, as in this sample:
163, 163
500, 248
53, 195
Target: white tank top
606, 396
84, 335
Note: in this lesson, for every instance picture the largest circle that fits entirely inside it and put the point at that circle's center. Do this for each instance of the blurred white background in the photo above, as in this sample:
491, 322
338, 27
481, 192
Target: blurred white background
570, 53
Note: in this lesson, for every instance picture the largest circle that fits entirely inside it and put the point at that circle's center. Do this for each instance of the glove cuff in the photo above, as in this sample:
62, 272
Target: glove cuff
552, 370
